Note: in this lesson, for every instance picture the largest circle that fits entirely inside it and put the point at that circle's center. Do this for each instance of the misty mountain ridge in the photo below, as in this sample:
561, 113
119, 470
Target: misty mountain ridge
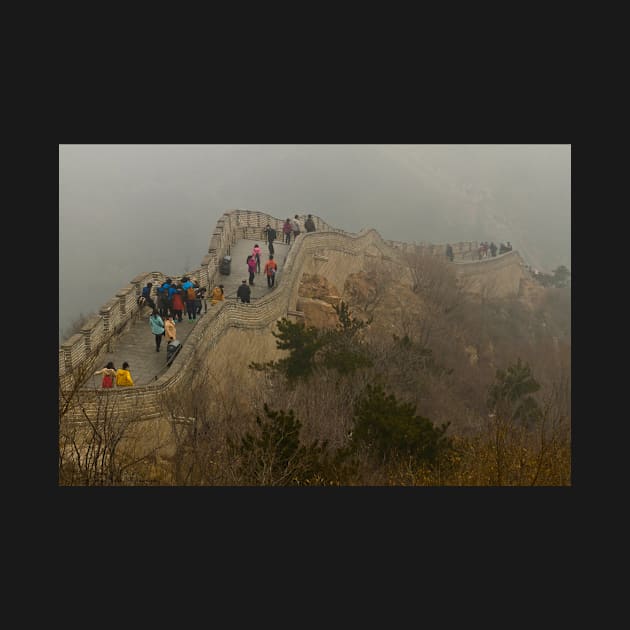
132, 208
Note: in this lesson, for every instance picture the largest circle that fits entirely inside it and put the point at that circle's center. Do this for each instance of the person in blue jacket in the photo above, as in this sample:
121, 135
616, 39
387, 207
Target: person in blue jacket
157, 328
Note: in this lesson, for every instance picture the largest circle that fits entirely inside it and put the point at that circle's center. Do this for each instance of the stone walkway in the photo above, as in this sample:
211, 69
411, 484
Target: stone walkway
239, 272
137, 345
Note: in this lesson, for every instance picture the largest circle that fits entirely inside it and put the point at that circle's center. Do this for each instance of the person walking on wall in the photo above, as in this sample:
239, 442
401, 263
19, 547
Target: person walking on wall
170, 330
493, 249
163, 297
270, 234
157, 328
109, 374
244, 292
191, 303
270, 271
185, 282
217, 295
123, 376
256, 252
309, 224
287, 230
188, 297
297, 227
251, 267
449, 252
177, 303
200, 293
146, 295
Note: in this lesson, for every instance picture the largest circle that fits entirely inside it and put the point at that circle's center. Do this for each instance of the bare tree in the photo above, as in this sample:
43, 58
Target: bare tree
435, 282
102, 448
71, 384
202, 412
98, 443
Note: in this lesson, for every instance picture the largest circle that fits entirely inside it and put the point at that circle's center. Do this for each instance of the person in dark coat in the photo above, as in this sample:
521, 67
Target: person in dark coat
244, 292
146, 295
493, 249
270, 235
309, 224
164, 299
200, 293
449, 252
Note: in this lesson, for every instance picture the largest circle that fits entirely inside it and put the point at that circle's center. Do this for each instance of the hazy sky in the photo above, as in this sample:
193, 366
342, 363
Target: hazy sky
125, 209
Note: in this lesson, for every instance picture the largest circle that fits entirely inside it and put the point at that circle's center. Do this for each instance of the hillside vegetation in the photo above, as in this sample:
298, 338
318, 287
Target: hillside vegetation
385, 382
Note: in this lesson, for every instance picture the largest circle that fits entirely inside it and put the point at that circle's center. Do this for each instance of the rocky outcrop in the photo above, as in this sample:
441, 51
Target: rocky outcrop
316, 299
319, 288
317, 313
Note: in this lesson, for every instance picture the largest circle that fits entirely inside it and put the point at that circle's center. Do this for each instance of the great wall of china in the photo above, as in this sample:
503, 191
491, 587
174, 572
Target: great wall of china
328, 251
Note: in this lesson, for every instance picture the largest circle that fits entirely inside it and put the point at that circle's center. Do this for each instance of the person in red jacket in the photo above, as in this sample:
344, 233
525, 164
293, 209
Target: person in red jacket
178, 304
109, 374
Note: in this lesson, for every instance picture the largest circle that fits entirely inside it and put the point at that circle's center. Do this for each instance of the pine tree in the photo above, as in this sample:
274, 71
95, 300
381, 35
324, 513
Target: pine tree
389, 429
510, 397
274, 456
302, 342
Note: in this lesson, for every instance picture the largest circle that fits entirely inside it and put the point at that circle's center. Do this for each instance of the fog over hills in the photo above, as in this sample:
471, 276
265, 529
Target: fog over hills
124, 209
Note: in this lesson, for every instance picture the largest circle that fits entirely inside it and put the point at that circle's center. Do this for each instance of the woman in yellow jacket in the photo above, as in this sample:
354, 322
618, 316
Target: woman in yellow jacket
123, 376
217, 295
170, 329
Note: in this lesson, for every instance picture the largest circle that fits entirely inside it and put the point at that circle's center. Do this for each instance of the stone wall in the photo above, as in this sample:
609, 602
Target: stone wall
463, 250
498, 276
307, 254
259, 314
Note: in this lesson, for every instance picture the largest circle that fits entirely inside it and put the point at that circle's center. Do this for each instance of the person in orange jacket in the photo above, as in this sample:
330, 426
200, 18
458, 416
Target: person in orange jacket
270, 271
170, 329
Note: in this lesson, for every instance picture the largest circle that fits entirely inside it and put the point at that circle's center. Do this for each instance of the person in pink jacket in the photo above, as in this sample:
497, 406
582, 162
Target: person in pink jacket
256, 253
251, 266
